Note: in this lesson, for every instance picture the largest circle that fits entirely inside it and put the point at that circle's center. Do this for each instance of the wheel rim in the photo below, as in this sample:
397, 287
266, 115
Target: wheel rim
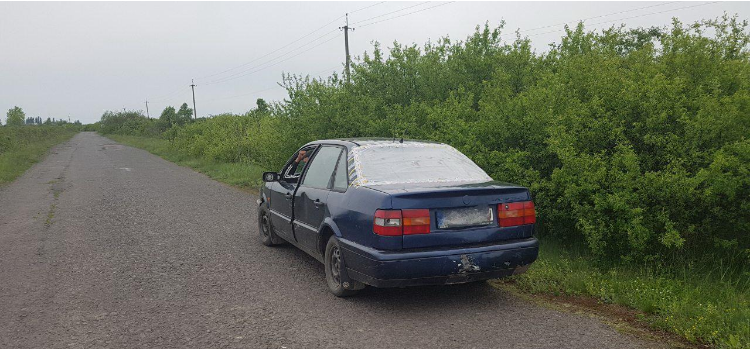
265, 229
336, 264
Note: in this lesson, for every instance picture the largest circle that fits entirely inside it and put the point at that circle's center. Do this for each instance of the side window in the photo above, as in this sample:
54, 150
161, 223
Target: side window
321, 168
297, 165
340, 179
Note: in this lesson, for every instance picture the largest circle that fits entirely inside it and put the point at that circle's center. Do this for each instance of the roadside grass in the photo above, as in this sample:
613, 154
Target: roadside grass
700, 303
23, 146
244, 175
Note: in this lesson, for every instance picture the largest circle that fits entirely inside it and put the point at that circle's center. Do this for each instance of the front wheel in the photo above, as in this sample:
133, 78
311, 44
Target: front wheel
267, 236
335, 267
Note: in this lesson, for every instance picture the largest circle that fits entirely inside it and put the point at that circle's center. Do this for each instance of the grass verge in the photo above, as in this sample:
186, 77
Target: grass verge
246, 176
700, 306
23, 146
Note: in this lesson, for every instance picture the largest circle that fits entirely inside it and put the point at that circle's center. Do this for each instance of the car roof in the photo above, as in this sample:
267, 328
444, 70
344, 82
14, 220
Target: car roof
354, 142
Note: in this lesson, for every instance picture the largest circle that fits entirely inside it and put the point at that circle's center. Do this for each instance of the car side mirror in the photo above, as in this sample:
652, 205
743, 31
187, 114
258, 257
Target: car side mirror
270, 177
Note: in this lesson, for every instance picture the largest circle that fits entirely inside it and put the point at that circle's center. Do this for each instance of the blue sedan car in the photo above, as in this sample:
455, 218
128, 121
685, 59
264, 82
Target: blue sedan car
395, 213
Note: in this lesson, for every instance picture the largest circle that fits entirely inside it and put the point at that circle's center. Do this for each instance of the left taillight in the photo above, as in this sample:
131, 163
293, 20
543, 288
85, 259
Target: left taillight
516, 213
387, 223
401, 222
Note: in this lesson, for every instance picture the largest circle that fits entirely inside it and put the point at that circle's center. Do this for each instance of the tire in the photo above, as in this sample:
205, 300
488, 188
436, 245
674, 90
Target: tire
335, 267
265, 230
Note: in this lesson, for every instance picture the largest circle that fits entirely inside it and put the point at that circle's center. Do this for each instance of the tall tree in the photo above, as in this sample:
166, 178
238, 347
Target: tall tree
168, 117
15, 117
184, 114
262, 105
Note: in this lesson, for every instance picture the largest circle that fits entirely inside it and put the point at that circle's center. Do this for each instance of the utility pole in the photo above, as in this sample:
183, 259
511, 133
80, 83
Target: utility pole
147, 114
195, 111
346, 29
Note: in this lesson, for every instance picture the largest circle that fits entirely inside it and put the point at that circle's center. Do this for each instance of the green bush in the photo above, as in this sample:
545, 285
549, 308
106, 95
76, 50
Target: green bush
128, 123
20, 137
633, 142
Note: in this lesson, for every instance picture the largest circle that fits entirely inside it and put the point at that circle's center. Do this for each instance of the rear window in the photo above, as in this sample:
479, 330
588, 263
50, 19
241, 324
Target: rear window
319, 173
380, 163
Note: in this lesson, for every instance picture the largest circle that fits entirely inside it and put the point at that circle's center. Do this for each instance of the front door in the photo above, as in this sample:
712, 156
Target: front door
311, 197
281, 208
282, 193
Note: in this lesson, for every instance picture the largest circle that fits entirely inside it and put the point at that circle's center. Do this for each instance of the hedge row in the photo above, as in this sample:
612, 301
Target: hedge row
633, 142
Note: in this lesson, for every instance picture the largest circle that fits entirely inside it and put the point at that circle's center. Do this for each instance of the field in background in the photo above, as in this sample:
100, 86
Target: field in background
23, 146
634, 144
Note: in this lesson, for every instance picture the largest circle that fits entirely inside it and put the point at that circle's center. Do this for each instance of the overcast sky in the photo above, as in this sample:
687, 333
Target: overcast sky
79, 59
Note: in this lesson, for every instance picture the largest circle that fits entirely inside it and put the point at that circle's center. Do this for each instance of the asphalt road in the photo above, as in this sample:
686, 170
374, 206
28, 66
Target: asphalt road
107, 246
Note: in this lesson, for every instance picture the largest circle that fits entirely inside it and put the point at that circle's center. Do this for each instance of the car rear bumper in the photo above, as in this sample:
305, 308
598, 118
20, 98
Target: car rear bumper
437, 267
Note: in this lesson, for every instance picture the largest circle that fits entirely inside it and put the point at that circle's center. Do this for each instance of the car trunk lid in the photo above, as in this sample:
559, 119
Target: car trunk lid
460, 213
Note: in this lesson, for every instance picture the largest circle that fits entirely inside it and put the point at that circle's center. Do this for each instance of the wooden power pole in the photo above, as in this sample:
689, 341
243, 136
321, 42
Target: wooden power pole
195, 111
346, 29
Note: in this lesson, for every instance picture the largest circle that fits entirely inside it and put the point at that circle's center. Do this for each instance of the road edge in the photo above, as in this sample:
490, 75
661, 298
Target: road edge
620, 318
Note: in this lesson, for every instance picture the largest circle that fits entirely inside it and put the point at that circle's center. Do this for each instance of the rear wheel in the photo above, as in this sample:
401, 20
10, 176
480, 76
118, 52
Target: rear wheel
335, 267
267, 236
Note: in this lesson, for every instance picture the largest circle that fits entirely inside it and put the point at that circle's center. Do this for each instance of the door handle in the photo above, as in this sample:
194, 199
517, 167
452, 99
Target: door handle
288, 196
318, 203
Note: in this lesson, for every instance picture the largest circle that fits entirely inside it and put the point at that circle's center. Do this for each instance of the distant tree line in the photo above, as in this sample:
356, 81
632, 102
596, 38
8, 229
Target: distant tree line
16, 117
133, 122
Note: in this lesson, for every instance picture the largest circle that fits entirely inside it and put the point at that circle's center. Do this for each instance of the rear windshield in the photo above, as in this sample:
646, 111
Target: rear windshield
410, 162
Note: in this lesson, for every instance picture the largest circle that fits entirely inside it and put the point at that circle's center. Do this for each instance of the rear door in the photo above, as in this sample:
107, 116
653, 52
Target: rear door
311, 197
282, 192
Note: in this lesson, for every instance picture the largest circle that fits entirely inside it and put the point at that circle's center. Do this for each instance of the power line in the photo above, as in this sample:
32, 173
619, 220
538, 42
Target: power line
272, 59
406, 14
186, 94
392, 12
287, 45
267, 89
632, 17
241, 73
274, 51
324, 70
600, 16
275, 60
244, 94
259, 67
173, 93
366, 7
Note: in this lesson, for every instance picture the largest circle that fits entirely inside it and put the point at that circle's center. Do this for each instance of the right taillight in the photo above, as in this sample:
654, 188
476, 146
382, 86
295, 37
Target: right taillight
516, 213
416, 221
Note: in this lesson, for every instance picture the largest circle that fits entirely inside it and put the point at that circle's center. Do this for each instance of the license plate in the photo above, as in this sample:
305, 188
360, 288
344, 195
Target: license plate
464, 217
